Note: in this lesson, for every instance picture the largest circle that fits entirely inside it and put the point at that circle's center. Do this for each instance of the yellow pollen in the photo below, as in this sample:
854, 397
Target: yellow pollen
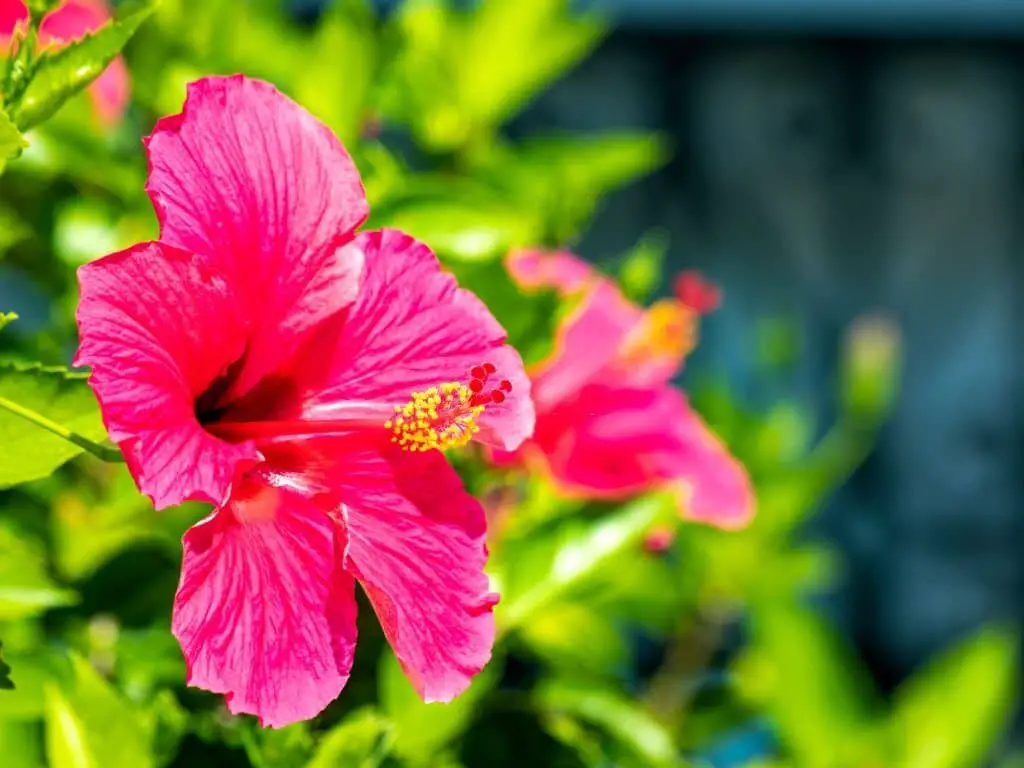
668, 330
439, 418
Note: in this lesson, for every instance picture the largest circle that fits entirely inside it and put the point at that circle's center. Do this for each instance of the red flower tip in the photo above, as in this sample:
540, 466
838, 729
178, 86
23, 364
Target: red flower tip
700, 295
659, 540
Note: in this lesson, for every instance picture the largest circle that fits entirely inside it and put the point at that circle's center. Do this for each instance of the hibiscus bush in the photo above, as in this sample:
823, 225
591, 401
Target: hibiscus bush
295, 350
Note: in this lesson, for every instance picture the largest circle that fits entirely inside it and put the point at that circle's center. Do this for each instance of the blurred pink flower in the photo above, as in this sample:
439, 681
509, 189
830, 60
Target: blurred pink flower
72, 21
609, 423
265, 358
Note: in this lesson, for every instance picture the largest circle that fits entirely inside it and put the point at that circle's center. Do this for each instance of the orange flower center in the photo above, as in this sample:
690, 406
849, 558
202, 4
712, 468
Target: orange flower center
667, 330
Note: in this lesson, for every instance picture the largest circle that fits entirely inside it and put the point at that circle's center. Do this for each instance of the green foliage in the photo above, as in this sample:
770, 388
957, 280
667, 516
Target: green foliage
361, 740
456, 75
11, 140
88, 725
25, 587
421, 731
342, 64
58, 75
27, 451
579, 553
644, 741
6, 683
950, 713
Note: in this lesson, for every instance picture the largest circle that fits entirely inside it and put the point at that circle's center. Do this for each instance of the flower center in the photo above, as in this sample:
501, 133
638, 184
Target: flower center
445, 416
668, 330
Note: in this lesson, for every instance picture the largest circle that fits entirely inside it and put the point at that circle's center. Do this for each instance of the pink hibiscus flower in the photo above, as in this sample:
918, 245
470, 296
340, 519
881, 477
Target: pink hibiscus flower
72, 21
265, 358
609, 423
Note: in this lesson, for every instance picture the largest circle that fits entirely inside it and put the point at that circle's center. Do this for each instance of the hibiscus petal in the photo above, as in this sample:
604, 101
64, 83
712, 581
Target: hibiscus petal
550, 269
253, 183
617, 442
412, 328
416, 542
264, 613
587, 342
156, 326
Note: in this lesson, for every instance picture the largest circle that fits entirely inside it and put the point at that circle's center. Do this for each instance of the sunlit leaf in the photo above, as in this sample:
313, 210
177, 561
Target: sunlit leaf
89, 725
339, 68
582, 554
27, 451
11, 140
497, 77
563, 177
462, 230
817, 690
359, 741
614, 713
951, 714
554, 636
423, 730
62, 73
5, 318
25, 587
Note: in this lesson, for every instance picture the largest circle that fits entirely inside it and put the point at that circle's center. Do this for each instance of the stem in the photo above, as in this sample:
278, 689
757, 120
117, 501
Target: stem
100, 451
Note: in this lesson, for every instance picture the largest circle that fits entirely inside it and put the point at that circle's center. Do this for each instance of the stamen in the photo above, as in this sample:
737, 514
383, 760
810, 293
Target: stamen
667, 331
445, 416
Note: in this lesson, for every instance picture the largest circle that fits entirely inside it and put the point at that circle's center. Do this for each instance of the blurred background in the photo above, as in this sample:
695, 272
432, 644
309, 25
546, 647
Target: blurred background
847, 171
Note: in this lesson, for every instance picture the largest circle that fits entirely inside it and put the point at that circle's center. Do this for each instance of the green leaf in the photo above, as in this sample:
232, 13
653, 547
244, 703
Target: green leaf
582, 554
621, 718
31, 672
510, 51
462, 230
11, 140
28, 452
59, 75
21, 747
42, 7
6, 683
423, 730
5, 318
339, 68
88, 725
554, 635
563, 177
12, 229
815, 688
951, 714
361, 740
25, 587
641, 269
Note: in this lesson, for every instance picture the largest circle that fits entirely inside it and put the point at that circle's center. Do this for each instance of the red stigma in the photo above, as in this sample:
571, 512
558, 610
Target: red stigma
481, 373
